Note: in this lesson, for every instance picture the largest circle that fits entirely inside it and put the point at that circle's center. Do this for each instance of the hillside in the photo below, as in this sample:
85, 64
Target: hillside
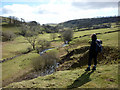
88, 22
18, 67
71, 74
106, 76
79, 57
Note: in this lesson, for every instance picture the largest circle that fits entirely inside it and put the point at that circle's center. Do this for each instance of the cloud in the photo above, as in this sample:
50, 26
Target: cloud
60, 0
24, 0
17, 8
56, 11
95, 5
6, 11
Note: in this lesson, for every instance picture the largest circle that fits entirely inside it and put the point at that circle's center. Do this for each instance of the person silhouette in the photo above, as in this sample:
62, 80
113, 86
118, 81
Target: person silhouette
92, 53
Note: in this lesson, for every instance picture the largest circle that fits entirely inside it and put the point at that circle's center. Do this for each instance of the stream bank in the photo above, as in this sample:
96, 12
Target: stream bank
34, 74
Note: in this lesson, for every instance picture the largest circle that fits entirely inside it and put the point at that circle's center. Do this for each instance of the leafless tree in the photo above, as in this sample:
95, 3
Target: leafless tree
42, 44
30, 33
53, 36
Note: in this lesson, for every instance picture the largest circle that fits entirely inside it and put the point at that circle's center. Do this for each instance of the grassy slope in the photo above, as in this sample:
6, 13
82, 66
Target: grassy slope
105, 77
109, 39
14, 29
19, 45
12, 48
19, 67
15, 68
22, 64
81, 33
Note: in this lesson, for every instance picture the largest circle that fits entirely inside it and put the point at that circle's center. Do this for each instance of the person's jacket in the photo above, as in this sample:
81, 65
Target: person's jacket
93, 47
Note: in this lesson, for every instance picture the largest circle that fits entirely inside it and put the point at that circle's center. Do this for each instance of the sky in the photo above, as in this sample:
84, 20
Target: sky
57, 11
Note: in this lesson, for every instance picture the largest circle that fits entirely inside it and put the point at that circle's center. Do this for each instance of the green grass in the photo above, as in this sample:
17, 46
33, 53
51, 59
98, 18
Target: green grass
19, 45
21, 64
105, 77
15, 47
18, 66
109, 39
81, 33
12, 48
14, 29
48, 37
15, 68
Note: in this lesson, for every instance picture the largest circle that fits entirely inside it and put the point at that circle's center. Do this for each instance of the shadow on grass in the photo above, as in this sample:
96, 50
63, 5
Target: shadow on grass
83, 79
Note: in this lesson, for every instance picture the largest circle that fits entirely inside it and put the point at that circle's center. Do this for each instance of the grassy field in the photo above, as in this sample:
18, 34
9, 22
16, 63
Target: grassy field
22, 64
14, 29
109, 39
16, 67
20, 45
81, 33
105, 77
12, 48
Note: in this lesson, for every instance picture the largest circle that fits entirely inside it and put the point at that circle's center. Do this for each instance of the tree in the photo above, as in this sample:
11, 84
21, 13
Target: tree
8, 36
30, 33
10, 19
67, 35
42, 44
22, 20
53, 36
23, 29
32, 40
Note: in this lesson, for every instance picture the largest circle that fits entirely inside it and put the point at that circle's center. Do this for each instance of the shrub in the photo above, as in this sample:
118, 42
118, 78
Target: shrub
8, 36
45, 62
38, 63
67, 35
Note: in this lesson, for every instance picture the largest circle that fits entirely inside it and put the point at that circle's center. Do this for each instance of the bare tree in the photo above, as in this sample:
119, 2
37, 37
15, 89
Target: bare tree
30, 33
23, 29
53, 36
32, 40
42, 44
22, 20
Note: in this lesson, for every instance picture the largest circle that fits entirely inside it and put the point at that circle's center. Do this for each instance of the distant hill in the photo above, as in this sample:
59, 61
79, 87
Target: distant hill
9, 21
89, 22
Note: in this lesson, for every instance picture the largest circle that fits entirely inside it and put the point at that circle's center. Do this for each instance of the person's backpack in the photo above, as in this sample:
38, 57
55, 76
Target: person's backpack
98, 46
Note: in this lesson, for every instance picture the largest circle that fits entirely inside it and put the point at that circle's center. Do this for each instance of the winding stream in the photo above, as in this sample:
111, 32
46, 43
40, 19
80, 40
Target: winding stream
55, 65
51, 49
44, 72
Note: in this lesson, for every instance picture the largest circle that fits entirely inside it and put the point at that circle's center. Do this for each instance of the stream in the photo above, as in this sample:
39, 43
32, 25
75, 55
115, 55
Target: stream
44, 72
51, 49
